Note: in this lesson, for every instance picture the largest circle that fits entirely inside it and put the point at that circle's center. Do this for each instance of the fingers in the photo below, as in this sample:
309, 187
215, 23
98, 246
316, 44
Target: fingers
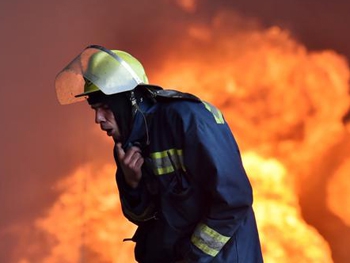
138, 162
131, 162
120, 151
132, 158
131, 154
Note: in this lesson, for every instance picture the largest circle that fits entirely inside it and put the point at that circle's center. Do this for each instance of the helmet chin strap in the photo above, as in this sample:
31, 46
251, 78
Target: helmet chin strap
135, 108
134, 105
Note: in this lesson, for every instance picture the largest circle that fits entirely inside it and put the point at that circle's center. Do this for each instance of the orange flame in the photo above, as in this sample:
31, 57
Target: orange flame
86, 221
285, 236
338, 189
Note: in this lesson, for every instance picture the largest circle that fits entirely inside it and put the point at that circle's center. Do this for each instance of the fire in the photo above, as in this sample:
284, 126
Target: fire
285, 236
338, 190
282, 102
87, 226
284, 105
86, 222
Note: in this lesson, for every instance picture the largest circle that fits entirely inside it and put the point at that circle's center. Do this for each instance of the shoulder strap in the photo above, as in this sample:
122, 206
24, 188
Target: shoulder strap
160, 94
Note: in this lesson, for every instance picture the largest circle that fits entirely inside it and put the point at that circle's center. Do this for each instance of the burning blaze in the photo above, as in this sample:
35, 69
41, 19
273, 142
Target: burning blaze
86, 223
338, 189
285, 236
284, 105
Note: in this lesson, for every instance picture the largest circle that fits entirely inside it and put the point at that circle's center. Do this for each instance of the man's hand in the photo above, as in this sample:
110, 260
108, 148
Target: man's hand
130, 162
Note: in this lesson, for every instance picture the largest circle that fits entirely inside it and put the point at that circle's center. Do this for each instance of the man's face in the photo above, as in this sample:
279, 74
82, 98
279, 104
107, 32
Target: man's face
105, 117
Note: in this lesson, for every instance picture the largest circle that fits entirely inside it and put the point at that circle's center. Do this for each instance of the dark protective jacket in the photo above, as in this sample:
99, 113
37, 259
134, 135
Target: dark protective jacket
194, 202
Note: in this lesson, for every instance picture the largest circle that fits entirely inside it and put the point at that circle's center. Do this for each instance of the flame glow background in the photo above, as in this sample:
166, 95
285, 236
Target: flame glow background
278, 70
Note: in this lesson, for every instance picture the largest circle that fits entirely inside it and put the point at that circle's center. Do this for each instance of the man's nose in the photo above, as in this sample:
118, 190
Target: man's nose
99, 116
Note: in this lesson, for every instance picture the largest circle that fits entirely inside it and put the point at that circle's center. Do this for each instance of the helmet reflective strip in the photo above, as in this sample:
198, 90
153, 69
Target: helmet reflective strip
216, 113
162, 164
208, 240
129, 69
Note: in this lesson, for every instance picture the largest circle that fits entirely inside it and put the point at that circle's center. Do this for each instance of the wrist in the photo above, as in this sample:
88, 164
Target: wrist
133, 184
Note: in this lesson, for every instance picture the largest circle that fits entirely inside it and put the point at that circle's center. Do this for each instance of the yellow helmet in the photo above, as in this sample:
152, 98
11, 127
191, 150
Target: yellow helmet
97, 68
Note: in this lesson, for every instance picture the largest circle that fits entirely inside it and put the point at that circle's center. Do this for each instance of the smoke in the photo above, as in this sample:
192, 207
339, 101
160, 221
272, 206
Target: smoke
43, 142
318, 25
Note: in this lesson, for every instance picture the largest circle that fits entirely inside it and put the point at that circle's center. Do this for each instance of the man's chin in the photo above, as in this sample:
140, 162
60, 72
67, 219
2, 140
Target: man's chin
116, 138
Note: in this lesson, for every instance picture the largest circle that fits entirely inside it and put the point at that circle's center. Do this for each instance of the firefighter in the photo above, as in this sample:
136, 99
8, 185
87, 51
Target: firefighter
179, 170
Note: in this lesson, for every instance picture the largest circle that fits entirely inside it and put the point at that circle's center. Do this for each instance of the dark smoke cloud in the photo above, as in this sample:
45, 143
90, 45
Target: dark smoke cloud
41, 141
317, 24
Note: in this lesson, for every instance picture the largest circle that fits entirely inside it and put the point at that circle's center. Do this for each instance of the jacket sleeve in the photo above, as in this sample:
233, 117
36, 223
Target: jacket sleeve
137, 204
212, 158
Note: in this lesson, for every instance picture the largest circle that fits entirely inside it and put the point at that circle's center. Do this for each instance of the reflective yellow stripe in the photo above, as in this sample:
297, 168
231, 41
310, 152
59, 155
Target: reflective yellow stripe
216, 113
208, 240
162, 164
